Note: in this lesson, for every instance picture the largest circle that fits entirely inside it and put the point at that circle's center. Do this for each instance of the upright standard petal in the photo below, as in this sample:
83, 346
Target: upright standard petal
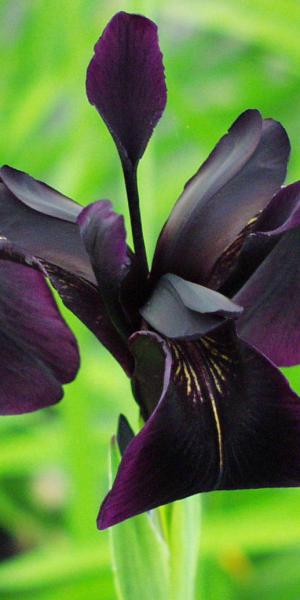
238, 180
125, 81
219, 414
104, 235
38, 352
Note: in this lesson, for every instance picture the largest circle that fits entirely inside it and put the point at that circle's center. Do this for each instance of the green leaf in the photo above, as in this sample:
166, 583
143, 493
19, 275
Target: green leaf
140, 555
185, 533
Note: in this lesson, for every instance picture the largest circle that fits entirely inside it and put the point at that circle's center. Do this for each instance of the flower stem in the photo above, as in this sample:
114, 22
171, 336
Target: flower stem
130, 175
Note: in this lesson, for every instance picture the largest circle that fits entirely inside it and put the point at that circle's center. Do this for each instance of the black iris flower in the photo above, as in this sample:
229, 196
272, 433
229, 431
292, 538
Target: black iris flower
202, 332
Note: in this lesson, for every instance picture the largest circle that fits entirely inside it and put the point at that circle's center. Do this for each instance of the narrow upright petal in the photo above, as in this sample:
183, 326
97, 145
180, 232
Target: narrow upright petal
38, 352
104, 235
220, 413
125, 81
237, 181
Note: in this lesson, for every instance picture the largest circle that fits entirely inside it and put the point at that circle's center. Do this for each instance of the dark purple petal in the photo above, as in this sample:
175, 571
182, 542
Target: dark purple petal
124, 434
181, 309
39, 195
104, 235
281, 215
238, 180
271, 304
38, 352
26, 218
125, 81
221, 414
85, 301
57, 243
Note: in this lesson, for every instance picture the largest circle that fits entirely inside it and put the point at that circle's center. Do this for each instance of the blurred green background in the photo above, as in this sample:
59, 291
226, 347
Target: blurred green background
220, 58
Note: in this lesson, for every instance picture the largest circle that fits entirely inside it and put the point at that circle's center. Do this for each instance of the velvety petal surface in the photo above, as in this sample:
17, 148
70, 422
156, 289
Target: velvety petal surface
271, 303
223, 418
283, 212
239, 178
38, 352
39, 195
280, 216
25, 218
104, 235
48, 231
125, 81
180, 309
85, 301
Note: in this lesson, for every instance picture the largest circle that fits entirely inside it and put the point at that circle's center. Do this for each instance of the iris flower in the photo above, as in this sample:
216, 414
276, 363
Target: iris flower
201, 335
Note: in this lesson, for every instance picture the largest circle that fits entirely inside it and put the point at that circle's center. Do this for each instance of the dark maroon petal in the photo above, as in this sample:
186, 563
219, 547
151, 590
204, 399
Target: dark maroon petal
125, 81
104, 235
221, 414
181, 309
271, 303
239, 178
26, 218
38, 352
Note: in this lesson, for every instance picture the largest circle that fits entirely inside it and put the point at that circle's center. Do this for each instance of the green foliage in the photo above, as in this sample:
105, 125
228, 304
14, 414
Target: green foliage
221, 57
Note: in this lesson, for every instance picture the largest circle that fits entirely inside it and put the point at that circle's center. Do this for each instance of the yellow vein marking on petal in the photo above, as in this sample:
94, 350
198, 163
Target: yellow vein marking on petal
219, 431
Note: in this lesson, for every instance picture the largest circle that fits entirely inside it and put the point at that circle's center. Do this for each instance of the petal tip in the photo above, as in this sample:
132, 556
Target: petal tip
126, 83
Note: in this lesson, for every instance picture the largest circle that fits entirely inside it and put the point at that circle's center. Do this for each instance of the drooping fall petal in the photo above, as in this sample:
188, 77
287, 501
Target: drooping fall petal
181, 309
39, 195
239, 178
220, 413
38, 352
85, 301
42, 222
48, 231
125, 81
